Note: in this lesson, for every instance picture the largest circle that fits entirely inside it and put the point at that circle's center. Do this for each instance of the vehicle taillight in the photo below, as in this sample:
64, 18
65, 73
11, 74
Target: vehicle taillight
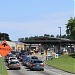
32, 64
42, 64
18, 64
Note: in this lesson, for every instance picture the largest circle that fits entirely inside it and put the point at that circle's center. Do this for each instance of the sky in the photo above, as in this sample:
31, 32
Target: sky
26, 18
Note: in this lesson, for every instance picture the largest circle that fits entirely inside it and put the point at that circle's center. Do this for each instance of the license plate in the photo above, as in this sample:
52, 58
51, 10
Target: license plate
37, 65
14, 65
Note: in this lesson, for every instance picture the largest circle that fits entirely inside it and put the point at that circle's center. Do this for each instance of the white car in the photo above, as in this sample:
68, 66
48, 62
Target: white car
12, 58
14, 64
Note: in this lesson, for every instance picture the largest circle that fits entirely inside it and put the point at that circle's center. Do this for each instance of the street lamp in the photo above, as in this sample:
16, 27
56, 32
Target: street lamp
60, 36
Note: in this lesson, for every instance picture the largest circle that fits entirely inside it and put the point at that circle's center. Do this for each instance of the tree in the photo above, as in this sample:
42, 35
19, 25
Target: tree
46, 35
70, 31
52, 35
64, 36
26, 38
4, 36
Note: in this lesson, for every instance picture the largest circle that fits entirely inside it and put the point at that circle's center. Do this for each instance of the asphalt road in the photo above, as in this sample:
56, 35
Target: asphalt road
26, 71
48, 71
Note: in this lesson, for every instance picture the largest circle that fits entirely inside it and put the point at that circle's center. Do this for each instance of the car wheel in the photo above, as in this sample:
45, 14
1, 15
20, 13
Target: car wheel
19, 68
31, 69
42, 69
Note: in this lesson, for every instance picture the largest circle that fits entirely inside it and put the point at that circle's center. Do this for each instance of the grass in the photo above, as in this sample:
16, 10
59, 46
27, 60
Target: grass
64, 62
3, 70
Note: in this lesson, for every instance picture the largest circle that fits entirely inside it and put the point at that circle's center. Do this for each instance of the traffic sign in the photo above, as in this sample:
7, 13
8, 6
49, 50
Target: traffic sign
4, 48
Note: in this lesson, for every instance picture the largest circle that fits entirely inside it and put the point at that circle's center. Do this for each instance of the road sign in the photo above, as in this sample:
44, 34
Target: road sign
56, 55
4, 48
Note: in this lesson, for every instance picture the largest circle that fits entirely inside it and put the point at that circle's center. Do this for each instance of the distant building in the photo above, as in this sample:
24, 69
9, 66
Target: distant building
19, 45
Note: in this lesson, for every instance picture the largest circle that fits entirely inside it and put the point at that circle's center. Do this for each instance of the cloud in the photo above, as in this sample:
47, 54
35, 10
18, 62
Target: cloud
44, 24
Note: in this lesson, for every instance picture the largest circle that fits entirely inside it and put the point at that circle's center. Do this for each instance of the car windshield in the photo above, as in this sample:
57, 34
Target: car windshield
12, 58
34, 57
11, 55
14, 62
37, 62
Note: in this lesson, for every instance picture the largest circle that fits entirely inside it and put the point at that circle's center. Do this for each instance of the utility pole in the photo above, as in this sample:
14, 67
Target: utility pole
60, 36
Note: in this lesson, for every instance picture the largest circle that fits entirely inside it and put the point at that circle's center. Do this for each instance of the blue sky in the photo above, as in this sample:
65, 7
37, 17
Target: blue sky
25, 18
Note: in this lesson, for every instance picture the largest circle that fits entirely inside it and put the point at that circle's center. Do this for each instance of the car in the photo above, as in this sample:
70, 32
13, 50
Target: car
11, 58
14, 64
22, 57
17, 54
37, 64
7, 57
26, 61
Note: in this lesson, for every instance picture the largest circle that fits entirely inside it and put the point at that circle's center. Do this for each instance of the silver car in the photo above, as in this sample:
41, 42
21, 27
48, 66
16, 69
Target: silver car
37, 64
14, 64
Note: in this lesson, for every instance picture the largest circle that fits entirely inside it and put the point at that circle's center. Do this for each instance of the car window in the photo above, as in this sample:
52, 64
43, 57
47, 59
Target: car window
12, 58
14, 62
37, 62
34, 57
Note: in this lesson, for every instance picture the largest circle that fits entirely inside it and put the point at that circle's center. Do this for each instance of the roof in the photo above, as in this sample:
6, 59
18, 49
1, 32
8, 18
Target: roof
14, 60
17, 42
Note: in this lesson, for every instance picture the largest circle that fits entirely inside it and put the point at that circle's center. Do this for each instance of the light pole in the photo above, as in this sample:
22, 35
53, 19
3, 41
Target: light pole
60, 36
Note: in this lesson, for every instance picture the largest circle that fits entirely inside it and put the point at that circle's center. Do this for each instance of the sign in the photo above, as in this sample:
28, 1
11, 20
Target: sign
4, 48
56, 55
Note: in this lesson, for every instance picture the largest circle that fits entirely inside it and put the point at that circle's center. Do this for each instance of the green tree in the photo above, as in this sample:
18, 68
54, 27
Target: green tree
70, 31
52, 35
46, 35
64, 36
26, 38
4, 36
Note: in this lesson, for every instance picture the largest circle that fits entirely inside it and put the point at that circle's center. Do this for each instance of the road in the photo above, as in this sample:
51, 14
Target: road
26, 71
48, 71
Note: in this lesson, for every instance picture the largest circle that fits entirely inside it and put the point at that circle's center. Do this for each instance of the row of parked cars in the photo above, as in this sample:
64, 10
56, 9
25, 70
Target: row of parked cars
32, 62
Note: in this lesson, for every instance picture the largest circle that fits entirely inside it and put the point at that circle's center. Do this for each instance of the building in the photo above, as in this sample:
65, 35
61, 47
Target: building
19, 46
